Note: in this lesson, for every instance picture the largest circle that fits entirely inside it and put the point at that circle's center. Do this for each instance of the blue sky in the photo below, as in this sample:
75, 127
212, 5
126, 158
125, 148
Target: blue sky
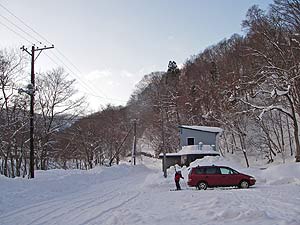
113, 43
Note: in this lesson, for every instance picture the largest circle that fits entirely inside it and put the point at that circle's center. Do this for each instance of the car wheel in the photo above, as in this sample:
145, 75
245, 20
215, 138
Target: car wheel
244, 184
202, 185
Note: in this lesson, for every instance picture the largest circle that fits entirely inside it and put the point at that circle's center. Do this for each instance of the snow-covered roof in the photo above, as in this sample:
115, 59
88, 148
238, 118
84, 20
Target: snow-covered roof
193, 150
203, 128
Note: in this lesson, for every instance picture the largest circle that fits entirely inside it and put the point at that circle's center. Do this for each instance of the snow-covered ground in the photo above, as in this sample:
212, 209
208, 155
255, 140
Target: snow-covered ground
139, 194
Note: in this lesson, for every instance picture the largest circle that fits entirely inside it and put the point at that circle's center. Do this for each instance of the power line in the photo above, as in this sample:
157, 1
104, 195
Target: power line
76, 68
20, 28
90, 87
11, 13
20, 20
97, 96
72, 72
18, 34
84, 86
73, 65
81, 81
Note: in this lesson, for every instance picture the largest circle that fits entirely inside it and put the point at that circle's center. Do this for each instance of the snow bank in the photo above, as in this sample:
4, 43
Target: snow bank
273, 175
57, 183
282, 174
126, 194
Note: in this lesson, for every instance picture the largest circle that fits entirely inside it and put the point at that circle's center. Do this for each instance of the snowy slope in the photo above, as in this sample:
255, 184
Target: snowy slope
139, 194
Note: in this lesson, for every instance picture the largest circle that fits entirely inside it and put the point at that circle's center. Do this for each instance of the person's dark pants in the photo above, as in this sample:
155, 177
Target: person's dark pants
177, 185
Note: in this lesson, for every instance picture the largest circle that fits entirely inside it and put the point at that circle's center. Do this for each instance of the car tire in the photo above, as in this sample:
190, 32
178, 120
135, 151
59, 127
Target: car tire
202, 185
244, 184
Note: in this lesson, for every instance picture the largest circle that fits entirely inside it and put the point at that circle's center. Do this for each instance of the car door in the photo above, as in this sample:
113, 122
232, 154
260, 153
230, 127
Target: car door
197, 174
212, 176
229, 177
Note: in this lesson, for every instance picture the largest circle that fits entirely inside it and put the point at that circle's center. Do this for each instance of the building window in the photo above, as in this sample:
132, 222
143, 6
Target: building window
191, 141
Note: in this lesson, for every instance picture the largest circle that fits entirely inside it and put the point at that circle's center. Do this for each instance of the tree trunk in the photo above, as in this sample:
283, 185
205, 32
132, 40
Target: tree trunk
2, 166
5, 167
91, 163
282, 139
226, 143
77, 164
12, 165
246, 158
18, 166
25, 167
296, 130
243, 145
289, 132
297, 143
296, 135
233, 143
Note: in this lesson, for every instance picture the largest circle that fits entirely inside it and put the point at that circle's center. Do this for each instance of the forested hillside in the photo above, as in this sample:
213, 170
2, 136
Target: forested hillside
247, 84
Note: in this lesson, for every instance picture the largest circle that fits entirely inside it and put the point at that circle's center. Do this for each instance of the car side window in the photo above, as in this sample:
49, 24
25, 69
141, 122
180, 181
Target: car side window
212, 170
199, 170
226, 171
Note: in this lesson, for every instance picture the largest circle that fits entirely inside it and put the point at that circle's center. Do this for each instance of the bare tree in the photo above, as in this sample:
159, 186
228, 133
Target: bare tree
12, 116
277, 73
57, 108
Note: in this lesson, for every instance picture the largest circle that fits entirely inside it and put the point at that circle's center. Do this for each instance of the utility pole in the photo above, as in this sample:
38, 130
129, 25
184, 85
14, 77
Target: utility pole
31, 92
134, 141
163, 141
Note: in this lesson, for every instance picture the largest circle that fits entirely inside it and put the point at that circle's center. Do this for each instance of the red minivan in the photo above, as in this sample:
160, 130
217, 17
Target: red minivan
218, 176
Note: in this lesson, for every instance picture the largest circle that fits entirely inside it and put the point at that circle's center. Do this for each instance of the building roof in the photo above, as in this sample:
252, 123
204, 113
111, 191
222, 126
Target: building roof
193, 150
203, 128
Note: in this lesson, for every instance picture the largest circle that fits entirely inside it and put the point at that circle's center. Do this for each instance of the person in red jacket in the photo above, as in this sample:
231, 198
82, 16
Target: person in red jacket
177, 179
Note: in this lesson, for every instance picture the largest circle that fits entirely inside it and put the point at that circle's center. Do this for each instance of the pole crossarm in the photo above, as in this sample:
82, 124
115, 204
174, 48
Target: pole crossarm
41, 49
44, 48
37, 49
25, 49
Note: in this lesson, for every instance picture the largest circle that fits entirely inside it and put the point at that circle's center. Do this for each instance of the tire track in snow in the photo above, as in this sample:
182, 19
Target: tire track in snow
73, 214
46, 208
71, 208
75, 207
109, 210
258, 204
